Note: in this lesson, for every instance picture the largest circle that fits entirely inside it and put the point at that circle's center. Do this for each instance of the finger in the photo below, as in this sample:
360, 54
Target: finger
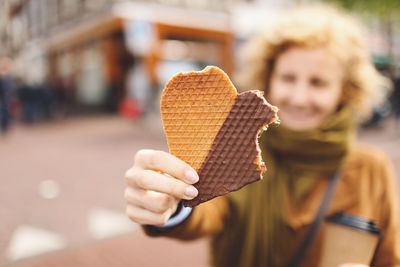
167, 163
151, 180
152, 201
143, 216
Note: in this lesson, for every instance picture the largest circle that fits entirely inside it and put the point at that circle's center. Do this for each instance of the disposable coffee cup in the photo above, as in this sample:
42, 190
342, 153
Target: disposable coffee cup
348, 239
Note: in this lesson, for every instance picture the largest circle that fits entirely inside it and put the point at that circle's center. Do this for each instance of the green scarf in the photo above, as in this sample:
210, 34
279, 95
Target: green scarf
257, 233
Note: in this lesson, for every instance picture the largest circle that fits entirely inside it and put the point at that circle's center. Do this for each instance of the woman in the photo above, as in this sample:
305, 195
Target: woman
313, 65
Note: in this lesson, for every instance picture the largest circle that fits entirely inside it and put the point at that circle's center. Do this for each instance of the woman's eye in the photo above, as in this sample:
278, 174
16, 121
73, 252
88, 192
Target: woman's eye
316, 82
289, 78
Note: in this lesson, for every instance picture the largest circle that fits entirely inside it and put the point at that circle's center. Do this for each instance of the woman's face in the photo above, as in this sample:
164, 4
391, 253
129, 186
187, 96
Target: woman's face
306, 85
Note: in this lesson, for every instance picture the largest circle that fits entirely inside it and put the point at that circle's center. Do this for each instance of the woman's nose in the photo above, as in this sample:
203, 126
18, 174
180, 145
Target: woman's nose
299, 95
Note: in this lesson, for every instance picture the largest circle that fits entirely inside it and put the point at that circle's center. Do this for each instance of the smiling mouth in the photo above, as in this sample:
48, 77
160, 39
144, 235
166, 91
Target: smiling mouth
297, 115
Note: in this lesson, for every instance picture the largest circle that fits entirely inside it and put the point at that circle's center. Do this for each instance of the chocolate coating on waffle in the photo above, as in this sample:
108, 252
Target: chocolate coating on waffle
231, 162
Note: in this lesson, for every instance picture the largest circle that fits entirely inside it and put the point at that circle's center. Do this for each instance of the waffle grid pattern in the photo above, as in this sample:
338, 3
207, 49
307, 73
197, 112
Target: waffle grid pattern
233, 160
194, 106
212, 128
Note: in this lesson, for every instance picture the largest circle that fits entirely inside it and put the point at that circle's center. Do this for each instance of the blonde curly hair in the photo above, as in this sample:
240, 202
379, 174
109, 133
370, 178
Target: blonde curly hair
316, 26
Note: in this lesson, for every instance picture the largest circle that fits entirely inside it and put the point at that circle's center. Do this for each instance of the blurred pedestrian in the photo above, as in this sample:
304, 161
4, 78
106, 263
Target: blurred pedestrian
27, 97
6, 86
314, 65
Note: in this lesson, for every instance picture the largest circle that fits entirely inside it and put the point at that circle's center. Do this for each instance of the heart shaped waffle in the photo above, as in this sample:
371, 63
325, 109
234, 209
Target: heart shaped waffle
213, 129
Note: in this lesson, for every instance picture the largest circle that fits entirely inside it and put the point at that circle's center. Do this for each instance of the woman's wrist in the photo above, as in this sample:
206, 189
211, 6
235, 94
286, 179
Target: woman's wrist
180, 215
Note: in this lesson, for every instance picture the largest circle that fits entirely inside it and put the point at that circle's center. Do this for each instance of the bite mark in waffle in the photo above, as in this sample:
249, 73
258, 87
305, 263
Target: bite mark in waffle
213, 129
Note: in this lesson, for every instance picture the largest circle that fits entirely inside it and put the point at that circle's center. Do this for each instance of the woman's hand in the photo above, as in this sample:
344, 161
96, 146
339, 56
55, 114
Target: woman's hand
155, 184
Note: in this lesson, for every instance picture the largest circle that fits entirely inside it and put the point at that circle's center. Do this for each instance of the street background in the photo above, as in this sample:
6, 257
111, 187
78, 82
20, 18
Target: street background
84, 160
80, 83
83, 220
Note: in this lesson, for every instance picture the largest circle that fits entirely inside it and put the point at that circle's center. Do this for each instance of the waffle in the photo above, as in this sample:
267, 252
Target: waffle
213, 129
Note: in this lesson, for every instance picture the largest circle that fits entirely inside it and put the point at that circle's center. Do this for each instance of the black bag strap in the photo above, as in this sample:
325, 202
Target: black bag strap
308, 239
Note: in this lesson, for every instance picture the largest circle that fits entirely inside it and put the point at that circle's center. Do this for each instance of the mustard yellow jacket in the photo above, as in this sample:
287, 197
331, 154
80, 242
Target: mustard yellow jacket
366, 189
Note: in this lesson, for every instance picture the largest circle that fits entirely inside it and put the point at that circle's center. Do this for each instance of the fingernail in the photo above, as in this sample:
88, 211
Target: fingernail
191, 191
191, 176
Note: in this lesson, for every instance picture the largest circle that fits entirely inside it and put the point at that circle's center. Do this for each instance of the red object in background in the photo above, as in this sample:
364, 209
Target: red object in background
14, 107
130, 108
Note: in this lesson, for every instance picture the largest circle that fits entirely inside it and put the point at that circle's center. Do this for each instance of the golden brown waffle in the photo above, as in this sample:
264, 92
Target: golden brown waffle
212, 128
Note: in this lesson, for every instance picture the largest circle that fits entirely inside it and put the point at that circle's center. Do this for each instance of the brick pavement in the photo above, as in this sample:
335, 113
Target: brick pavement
87, 157
126, 250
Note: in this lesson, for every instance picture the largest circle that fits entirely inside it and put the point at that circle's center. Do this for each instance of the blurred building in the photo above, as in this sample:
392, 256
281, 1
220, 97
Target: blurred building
95, 53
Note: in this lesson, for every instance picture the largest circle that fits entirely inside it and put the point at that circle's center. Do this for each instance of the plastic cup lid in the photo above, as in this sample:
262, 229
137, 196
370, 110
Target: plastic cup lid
354, 222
